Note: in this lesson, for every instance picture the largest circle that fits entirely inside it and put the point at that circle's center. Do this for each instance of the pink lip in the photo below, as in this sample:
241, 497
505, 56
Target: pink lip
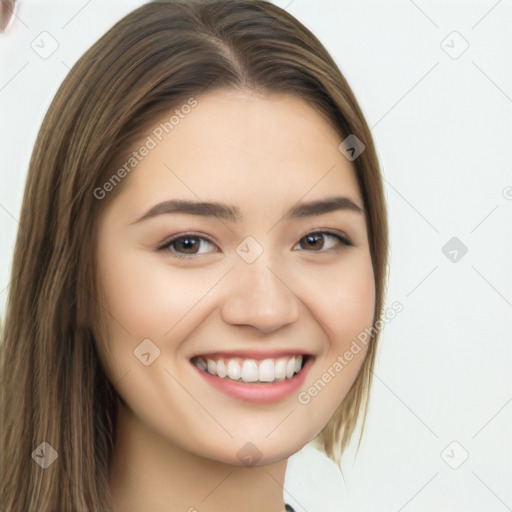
259, 393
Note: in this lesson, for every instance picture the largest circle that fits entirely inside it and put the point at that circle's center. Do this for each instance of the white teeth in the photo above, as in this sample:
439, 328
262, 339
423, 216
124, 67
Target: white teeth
290, 368
280, 368
212, 367
266, 370
234, 371
221, 369
251, 370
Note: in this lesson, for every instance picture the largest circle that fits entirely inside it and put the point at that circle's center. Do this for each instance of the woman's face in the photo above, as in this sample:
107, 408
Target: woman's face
238, 287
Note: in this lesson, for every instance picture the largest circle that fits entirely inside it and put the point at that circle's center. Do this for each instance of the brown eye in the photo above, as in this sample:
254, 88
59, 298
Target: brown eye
188, 244
322, 240
185, 246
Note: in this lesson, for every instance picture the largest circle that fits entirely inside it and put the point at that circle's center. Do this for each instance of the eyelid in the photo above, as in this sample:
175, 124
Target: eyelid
342, 238
165, 244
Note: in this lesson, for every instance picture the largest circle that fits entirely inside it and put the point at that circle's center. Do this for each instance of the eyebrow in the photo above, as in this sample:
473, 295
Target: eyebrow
232, 213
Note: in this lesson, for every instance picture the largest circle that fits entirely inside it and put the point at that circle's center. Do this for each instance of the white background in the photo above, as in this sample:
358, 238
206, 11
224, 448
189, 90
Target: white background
442, 127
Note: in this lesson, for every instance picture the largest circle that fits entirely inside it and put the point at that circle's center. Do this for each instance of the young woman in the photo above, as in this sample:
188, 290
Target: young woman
202, 254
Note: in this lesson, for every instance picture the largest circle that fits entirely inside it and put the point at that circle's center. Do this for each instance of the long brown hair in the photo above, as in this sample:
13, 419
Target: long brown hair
53, 388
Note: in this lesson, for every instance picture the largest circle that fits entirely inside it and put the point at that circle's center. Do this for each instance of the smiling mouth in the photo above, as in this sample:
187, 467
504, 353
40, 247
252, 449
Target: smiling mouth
252, 371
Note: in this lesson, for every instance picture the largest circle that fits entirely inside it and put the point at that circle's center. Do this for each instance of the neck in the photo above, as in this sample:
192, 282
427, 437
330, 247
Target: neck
149, 472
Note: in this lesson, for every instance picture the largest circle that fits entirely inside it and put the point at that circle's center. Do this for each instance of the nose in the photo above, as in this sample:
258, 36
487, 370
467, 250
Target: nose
260, 297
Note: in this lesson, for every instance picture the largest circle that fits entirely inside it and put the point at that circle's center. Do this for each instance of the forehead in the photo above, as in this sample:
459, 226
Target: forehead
255, 150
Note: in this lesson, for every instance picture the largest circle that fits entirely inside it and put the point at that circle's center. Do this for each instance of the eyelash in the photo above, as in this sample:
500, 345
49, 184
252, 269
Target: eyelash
166, 244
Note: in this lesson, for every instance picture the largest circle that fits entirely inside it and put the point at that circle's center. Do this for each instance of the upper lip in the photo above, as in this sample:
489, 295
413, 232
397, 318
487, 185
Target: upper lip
252, 354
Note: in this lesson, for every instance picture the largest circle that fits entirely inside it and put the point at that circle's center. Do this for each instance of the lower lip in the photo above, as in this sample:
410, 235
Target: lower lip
259, 393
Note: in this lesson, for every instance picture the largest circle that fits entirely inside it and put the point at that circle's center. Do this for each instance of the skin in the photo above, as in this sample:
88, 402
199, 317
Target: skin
178, 437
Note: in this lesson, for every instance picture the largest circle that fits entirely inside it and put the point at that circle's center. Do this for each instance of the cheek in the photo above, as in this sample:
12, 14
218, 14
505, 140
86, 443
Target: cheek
147, 297
343, 303
343, 299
